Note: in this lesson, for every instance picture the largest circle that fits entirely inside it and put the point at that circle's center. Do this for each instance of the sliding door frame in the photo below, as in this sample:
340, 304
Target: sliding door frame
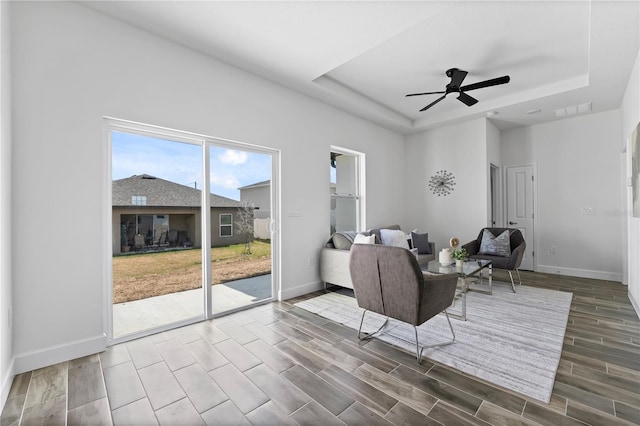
205, 142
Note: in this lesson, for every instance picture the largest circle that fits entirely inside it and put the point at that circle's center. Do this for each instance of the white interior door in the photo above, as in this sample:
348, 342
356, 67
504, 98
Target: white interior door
520, 207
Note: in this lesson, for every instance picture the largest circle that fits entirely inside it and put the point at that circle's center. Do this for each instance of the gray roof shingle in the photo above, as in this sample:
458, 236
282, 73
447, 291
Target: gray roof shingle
257, 184
162, 193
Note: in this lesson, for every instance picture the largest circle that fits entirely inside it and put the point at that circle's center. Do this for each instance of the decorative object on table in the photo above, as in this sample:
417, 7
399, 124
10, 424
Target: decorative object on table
454, 242
444, 257
460, 255
442, 183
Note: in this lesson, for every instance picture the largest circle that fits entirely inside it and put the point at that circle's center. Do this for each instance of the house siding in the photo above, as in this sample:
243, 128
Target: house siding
180, 219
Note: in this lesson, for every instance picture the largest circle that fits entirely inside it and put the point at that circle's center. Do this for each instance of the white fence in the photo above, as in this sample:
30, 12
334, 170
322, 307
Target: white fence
261, 229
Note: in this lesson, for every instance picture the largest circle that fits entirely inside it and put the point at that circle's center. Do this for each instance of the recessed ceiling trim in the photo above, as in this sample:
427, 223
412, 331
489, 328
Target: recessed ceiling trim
361, 101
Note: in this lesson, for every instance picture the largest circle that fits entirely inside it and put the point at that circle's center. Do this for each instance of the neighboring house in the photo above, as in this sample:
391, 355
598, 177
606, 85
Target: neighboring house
259, 194
166, 212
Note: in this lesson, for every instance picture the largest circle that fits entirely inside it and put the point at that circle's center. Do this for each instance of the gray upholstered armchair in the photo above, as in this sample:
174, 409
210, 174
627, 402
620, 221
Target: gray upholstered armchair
388, 280
511, 262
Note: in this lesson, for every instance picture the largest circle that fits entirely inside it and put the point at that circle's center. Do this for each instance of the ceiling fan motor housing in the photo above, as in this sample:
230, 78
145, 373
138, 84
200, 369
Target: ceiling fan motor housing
457, 76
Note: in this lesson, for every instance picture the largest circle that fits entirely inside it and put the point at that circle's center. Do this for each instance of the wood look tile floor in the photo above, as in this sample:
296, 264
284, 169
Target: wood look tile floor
277, 364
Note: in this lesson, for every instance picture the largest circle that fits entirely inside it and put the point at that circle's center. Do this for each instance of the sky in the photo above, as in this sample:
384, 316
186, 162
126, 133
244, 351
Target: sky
182, 163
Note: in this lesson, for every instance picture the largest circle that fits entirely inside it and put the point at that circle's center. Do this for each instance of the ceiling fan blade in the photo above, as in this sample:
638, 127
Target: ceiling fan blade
432, 103
426, 93
486, 83
466, 99
457, 77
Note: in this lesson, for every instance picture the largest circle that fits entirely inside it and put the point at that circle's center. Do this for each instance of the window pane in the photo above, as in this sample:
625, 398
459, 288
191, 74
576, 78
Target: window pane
346, 175
344, 192
225, 219
345, 214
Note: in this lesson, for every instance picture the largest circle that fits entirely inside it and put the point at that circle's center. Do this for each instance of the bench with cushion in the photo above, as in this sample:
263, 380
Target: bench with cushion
334, 256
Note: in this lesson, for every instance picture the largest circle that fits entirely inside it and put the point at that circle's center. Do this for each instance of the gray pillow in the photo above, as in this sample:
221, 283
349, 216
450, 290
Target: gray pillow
495, 246
376, 232
421, 242
394, 237
343, 240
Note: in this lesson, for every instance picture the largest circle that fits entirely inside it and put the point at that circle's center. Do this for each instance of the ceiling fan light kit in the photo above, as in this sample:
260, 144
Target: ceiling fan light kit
457, 76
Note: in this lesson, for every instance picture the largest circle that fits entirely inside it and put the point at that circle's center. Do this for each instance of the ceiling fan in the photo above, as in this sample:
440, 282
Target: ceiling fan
457, 77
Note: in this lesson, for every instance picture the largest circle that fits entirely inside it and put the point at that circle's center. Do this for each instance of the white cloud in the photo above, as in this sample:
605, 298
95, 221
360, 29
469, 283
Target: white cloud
233, 157
225, 181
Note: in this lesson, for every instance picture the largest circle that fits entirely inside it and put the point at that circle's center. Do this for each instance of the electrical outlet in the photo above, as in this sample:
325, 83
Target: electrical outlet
553, 250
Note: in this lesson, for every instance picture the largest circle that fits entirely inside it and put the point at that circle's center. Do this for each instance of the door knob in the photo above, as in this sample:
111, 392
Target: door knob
513, 223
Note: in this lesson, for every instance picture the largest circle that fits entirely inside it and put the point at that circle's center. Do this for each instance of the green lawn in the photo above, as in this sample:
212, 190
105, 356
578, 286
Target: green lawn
138, 276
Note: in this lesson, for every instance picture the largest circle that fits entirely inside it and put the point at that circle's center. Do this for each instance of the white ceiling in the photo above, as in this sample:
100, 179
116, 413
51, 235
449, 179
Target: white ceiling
363, 57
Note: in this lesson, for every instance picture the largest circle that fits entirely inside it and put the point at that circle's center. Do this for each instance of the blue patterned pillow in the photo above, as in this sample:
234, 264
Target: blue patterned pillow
495, 246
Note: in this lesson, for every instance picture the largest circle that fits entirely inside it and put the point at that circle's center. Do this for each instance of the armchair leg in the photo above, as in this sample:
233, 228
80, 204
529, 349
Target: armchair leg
519, 279
419, 348
513, 287
366, 336
450, 326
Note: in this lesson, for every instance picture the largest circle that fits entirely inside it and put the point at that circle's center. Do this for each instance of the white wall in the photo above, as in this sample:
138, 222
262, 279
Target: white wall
71, 67
461, 149
494, 156
630, 119
6, 359
578, 167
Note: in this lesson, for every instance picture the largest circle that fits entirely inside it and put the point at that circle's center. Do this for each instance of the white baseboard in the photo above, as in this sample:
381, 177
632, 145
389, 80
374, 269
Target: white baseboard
634, 303
7, 381
581, 273
33, 360
300, 290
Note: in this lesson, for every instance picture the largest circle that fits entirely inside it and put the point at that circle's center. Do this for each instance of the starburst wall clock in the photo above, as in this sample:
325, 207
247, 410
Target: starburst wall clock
442, 183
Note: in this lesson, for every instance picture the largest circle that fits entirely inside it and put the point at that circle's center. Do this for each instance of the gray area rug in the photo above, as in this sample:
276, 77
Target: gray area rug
511, 340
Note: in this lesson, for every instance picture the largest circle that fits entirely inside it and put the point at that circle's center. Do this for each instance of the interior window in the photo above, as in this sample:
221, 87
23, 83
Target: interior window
345, 192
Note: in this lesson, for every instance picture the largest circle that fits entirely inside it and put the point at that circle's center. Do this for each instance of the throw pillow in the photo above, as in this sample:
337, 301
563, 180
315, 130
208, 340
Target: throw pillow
495, 246
364, 239
421, 242
342, 240
392, 237
376, 232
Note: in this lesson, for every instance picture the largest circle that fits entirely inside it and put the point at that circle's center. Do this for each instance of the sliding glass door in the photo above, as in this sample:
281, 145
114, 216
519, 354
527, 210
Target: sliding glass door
241, 216
191, 227
156, 249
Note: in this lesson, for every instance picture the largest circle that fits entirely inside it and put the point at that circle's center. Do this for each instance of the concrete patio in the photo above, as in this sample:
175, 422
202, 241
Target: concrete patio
152, 312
